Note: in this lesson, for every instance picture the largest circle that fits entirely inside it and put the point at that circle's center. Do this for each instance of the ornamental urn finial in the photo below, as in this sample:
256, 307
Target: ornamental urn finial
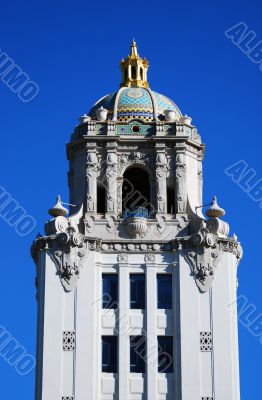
58, 210
215, 211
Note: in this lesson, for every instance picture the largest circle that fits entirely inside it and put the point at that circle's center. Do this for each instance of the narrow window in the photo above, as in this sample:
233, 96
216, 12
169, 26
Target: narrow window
141, 74
133, 72
125, 74
109, 354
137, 291
164, 291
110, 290
101, 199
165, 354
137, 353
170, 200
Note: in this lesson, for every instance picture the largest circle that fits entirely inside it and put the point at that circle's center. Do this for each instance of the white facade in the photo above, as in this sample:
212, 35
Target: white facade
175, 239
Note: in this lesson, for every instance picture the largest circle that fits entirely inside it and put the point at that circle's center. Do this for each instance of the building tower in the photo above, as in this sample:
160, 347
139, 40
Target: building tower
136, 288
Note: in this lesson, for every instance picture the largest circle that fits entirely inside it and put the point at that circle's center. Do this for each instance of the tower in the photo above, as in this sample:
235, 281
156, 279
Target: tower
136, 289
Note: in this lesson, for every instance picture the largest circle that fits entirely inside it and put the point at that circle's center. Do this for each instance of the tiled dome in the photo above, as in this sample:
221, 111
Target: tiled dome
135, 103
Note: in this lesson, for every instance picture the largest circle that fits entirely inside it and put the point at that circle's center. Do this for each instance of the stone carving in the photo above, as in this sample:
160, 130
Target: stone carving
181, 183
89, 223
111, 176
69, 253
127, 159
91, 174
122, 258
56, 225
150, 258
137, 227
110, 226
161, 172
161, 224
203, 256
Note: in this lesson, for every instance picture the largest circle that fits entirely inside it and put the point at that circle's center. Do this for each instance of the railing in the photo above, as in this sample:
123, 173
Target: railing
136, 212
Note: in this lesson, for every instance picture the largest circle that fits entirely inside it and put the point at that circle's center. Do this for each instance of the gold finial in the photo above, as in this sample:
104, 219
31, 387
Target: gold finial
133, 52
134, 69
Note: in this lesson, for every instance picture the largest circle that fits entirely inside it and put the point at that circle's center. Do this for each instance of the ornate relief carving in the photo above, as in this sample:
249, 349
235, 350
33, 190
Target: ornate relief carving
161, 172
111, 175
69, 253
122, 258
91, 174
181, 182
203, 255
126, 159
150, 258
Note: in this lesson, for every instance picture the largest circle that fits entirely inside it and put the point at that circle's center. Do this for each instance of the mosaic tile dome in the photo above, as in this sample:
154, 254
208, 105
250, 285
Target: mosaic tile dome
135, 103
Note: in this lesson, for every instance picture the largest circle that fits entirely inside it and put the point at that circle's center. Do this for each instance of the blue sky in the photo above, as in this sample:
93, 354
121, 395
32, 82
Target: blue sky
72, 51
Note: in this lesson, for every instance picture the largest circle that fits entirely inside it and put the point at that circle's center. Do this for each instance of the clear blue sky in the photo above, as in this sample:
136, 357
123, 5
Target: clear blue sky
72, 51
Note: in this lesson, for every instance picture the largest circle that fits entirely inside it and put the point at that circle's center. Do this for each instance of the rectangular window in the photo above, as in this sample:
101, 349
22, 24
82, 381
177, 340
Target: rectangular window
110, 290
137, 291
165, 354
137, 353
164, 291
109, 354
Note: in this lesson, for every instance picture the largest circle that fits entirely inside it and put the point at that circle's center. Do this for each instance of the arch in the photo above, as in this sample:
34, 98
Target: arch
136, 188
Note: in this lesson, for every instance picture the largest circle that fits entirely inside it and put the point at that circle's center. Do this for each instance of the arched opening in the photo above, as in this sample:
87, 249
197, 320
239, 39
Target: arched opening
141, 74
133, 72
101, 199
170, 200
136, 189
125, 74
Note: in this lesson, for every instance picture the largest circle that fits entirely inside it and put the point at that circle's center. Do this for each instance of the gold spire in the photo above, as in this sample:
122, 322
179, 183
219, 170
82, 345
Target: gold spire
134, 69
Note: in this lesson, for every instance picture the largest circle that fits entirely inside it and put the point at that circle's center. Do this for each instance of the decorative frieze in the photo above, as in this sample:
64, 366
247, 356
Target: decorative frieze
68, 398
207, 398
69, 340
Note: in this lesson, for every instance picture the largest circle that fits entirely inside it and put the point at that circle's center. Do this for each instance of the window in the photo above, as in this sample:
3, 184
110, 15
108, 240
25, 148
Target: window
110, 290
109, 353
101, 199
137, 291
133, 72
165, 354
137, 353
136, 128
170, 200
141, 73
164, 291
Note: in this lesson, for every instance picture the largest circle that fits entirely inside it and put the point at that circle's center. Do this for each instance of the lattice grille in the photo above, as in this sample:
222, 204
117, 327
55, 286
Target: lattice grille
206, 344
68, 343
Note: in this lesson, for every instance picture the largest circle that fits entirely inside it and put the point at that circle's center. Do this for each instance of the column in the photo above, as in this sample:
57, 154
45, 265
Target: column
181, 192
91, 175
111, 182
152, 345
161, 173
123, 329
